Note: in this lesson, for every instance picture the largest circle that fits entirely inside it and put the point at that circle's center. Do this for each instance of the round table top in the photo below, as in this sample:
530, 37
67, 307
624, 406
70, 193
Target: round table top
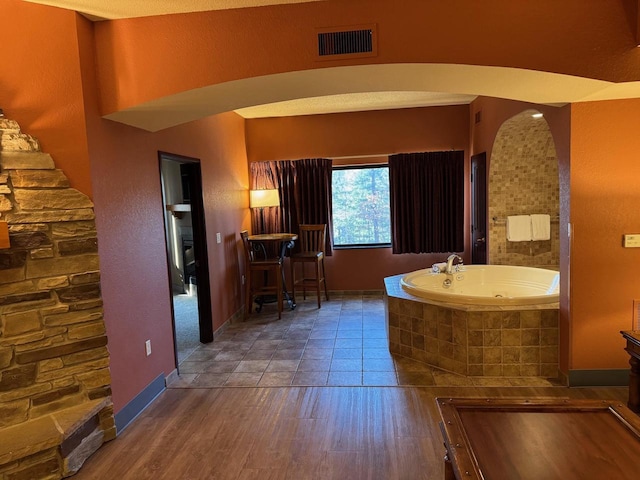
266, 237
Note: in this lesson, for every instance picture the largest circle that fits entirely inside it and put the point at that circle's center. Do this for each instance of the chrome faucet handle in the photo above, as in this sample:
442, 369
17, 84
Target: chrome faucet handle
438, 267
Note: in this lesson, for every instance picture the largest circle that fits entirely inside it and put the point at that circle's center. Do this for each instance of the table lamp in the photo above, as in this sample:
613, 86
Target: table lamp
261, 199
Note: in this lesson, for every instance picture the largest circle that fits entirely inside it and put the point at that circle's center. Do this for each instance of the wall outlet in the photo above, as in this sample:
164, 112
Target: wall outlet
147, 347
218, 238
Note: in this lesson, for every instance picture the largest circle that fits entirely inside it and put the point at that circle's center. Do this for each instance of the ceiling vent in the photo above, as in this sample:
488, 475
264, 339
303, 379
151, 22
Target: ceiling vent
347, 42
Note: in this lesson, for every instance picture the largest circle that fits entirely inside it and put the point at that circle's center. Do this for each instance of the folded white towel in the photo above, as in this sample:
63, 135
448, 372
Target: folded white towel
540, 227
519, 228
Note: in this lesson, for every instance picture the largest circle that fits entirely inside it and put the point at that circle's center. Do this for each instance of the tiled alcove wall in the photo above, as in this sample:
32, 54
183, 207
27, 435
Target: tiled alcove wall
523, 179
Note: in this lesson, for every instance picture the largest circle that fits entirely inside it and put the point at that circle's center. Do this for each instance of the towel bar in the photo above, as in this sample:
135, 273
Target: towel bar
503, 220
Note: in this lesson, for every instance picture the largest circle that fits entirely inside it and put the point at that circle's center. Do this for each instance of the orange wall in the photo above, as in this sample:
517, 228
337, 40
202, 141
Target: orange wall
605, 200
129, 211
381, 132
40, 83
591, 39
51, 91
366, 133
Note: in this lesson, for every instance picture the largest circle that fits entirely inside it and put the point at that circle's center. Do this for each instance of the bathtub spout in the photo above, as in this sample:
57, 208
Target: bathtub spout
453, 257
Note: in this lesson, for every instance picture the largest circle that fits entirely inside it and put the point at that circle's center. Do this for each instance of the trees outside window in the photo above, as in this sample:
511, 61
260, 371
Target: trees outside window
361, 213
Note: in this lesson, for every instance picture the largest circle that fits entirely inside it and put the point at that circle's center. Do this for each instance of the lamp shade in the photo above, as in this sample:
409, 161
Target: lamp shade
264, 198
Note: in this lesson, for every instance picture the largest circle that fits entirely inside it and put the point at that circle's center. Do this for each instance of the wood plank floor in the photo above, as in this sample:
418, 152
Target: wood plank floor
295, 433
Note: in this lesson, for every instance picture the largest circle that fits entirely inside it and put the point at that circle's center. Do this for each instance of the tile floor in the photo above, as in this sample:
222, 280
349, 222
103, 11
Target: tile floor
344, 343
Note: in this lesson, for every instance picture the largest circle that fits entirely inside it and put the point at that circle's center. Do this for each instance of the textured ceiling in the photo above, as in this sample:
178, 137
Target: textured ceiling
114, 9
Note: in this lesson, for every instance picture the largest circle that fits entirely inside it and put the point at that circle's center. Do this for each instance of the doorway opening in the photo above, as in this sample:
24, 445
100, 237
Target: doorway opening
479, 208
187, 258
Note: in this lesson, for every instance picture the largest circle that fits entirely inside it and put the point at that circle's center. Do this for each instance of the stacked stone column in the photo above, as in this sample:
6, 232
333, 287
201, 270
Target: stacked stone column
53, 345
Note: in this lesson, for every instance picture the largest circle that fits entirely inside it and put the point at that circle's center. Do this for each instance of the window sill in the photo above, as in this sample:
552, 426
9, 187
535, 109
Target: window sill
360, 247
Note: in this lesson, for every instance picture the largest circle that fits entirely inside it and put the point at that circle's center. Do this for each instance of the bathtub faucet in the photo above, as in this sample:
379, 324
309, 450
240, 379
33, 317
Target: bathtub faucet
450, 260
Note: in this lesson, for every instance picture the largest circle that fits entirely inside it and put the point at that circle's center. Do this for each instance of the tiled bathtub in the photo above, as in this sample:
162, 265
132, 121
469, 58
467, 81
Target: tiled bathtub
509, 341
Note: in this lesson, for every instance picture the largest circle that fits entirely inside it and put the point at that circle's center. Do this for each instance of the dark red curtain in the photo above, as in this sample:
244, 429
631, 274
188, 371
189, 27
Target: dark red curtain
304, 188
269, 219
427, 202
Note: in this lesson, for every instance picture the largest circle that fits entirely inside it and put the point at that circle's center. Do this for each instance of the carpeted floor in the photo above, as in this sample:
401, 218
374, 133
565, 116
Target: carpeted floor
185, 308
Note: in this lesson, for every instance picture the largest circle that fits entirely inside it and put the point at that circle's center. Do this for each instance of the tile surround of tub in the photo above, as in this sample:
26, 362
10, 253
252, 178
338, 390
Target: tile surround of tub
487, 341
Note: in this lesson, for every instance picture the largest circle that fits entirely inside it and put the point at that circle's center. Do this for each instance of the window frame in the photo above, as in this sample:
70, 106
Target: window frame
354, 246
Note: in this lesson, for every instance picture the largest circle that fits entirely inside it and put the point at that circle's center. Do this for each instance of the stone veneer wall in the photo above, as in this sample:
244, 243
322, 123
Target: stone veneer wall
55, 406
523, 179
473, 340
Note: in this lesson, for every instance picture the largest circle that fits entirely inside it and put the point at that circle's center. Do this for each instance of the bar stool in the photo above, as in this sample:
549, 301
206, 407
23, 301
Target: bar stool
255, 267
312, 244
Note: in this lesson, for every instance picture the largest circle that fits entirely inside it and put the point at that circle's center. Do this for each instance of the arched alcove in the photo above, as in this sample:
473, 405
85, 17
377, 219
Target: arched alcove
523, 180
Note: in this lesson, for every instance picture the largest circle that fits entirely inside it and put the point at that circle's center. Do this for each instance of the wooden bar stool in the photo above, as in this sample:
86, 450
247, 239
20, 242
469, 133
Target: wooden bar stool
312, 244
261, 268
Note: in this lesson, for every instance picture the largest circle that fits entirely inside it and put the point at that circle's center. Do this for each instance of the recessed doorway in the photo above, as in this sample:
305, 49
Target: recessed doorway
186, 253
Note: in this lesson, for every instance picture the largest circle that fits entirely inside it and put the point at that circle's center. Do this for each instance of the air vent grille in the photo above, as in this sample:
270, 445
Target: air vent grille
348, 42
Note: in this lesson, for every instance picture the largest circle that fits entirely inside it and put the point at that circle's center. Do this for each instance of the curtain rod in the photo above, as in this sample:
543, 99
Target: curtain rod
347, 157
373, 155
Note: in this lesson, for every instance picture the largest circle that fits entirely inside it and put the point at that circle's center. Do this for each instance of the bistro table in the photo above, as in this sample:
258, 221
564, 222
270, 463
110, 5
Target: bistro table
262, 244
633, 349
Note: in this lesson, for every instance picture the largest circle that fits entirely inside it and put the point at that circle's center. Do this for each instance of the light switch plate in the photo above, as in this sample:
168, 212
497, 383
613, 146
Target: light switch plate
219, 239
631, 240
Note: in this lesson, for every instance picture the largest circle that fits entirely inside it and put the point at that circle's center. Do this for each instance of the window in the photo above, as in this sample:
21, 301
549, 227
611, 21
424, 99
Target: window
361, 214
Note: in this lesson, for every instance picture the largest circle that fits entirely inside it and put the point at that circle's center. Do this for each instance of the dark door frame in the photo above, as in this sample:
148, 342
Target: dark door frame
479, 208
194, 181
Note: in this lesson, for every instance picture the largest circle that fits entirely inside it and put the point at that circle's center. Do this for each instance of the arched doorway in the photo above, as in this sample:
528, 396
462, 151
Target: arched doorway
523, 180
